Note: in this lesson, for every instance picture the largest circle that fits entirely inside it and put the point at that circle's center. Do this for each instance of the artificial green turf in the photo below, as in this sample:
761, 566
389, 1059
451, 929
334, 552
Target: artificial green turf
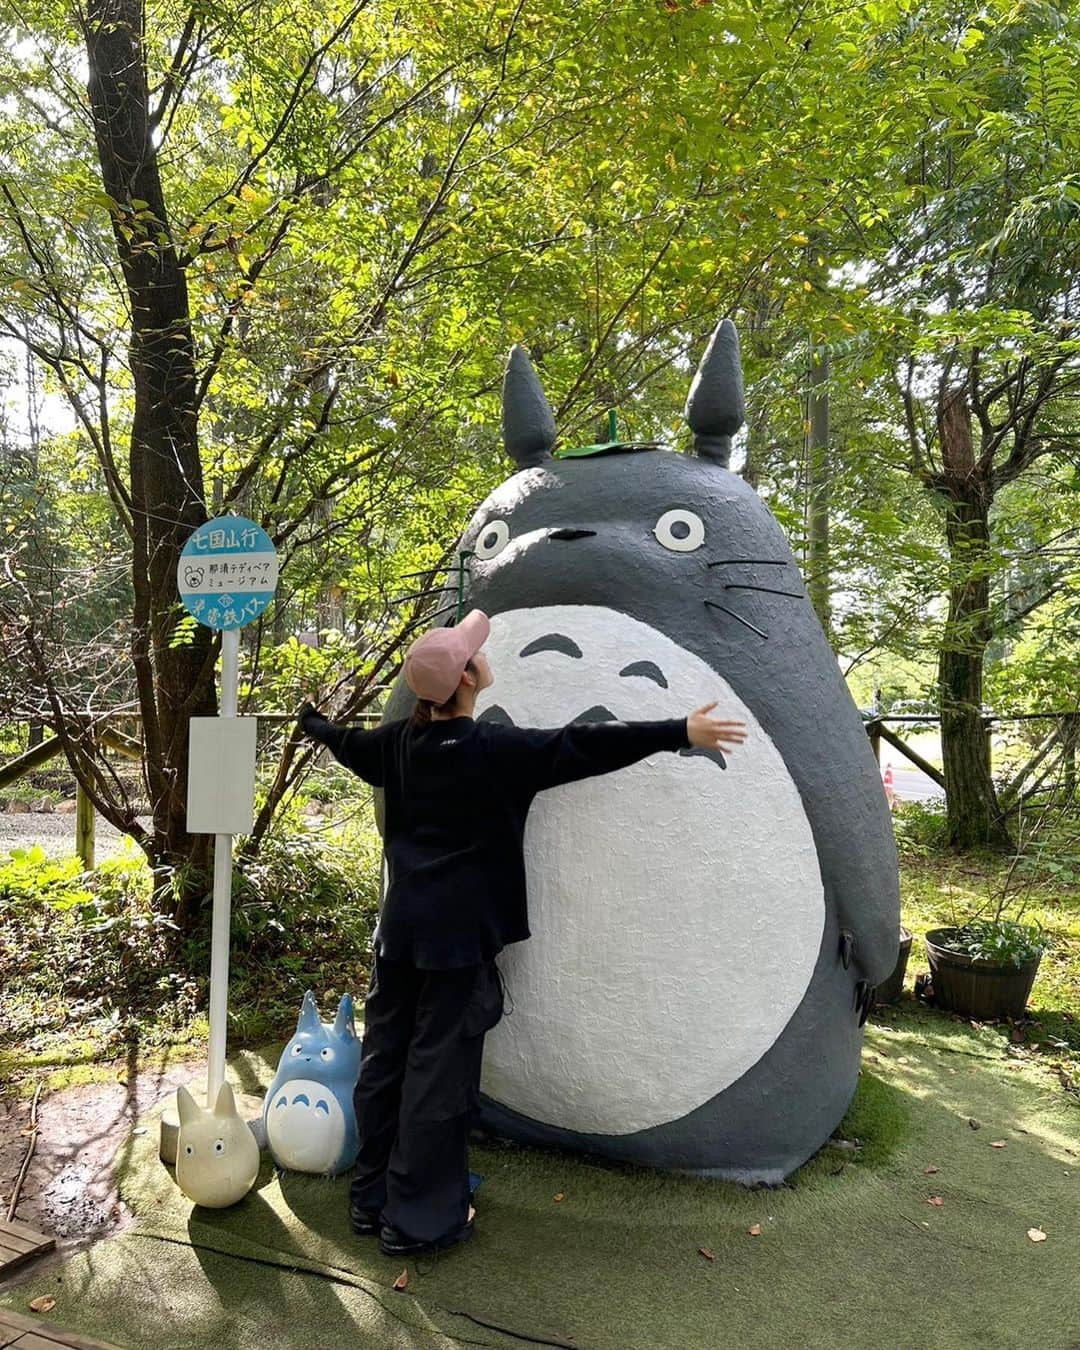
850, 1254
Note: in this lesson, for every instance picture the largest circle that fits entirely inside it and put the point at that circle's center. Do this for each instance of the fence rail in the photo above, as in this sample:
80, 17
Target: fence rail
1065, 737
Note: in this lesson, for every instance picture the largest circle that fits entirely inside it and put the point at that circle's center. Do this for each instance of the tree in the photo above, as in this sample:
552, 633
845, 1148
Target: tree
981, 277
272, 258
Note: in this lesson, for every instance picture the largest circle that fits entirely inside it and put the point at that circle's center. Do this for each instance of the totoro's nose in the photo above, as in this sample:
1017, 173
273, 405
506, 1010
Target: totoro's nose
569, 533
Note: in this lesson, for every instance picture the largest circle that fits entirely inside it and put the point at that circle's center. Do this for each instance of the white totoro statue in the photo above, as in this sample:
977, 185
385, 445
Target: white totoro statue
217, 1158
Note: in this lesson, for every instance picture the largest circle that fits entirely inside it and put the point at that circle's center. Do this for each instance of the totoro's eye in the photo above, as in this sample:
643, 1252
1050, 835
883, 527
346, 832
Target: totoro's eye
298, 1050
326, 1053
679, 530
492, 539
219, 1145
189, 1149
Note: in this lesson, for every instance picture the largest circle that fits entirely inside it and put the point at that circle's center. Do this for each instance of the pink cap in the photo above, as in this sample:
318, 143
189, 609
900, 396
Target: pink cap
436, 661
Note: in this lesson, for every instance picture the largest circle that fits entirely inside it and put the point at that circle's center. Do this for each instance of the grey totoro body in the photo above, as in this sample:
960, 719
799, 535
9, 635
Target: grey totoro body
706, 933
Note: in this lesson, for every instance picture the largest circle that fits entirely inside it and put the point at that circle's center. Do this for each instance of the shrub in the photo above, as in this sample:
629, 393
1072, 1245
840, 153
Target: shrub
77, 944
1001, 941
920, 827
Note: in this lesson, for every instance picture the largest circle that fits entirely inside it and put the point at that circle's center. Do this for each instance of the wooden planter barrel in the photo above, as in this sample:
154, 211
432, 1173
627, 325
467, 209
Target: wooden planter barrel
979, 989
891, 989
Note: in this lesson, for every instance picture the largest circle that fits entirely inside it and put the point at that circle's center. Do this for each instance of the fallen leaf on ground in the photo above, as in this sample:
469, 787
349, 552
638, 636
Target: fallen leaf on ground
708, 1255
929, 1171
560, 1196
936, 1201
402, 1281
1036, 1235
45, 1304
754, 1230
998, 1143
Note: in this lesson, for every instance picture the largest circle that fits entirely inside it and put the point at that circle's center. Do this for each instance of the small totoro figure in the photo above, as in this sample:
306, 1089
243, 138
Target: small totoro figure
706, 934
217, 1158
309, 1117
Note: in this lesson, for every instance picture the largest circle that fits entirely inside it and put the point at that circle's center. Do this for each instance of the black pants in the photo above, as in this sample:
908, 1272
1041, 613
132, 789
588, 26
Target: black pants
419, 1092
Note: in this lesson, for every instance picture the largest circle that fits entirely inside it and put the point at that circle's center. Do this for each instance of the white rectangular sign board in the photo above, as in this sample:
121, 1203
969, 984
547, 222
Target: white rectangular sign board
221, 775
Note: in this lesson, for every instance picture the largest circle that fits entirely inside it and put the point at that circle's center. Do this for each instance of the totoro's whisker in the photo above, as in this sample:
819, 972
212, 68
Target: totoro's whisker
430, 617
429, 571
416, 595
768, 562
769, 590
713, 605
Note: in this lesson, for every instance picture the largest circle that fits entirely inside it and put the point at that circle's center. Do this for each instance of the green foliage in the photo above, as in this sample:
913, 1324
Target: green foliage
951, 890
920, 828
77, 944
999, 941
1062, 868
29, 875
85, 950
303, 891
365, 230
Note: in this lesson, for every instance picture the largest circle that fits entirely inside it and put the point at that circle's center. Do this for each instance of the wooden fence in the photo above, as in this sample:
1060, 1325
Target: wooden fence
1058, 748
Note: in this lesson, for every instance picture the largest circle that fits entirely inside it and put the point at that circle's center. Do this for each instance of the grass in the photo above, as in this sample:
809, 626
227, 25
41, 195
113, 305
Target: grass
939, 889
911, 1230
852, 1239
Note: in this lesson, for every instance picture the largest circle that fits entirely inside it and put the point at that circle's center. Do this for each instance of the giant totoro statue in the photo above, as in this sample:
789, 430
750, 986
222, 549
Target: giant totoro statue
706, 934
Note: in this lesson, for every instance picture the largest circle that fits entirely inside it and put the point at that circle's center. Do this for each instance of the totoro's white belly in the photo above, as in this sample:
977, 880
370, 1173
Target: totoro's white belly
305, 1126
676, 907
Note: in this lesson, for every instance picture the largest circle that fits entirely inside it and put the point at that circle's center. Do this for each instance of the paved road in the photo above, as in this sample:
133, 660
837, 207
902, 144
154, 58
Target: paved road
911, 784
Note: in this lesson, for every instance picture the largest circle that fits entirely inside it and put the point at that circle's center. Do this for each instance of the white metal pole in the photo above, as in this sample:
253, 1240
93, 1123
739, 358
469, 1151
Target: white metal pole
219, 939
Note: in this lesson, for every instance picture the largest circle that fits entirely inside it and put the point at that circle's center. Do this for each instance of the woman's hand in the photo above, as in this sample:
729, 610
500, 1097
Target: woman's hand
711, 733
308, 706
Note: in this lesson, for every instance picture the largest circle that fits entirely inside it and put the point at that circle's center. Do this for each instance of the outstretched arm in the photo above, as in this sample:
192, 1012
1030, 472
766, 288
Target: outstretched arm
360, 750
538, 759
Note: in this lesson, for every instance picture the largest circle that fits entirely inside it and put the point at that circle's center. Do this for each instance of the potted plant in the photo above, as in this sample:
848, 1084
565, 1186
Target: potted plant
985, 967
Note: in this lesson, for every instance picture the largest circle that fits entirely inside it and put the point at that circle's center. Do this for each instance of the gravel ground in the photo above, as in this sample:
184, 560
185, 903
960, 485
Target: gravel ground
56, 833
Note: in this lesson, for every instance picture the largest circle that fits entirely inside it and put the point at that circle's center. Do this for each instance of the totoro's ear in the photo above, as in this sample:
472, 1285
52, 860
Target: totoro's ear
715, 406
309, 1014
226, 1102
528, 424
344, 1025
187, 1107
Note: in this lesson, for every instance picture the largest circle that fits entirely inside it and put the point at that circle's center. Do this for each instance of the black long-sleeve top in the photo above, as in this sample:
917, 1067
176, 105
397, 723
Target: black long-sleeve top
457, 794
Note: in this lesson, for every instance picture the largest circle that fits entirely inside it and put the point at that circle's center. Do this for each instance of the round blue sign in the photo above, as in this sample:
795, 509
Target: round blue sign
227, 572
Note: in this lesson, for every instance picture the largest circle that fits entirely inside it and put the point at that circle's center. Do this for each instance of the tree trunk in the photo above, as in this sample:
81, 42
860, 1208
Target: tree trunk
819, 581
166, 485
974, 816
1070, 737
751, 469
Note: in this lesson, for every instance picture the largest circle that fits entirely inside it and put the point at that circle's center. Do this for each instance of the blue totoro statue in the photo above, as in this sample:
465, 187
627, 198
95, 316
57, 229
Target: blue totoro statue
309, 1118
706, 934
